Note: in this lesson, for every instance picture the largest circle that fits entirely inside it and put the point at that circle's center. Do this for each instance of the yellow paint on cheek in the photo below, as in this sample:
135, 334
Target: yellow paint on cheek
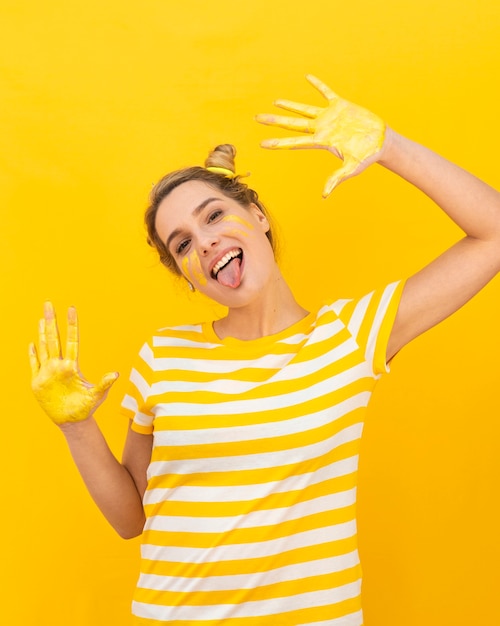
191, 267
236, 218
237, 230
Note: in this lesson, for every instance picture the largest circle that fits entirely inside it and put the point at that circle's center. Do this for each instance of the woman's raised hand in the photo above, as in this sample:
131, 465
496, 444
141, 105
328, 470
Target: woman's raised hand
349, 131
59, 387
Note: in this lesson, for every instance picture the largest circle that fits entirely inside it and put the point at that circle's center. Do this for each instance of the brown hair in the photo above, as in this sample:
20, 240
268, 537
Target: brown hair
221, 156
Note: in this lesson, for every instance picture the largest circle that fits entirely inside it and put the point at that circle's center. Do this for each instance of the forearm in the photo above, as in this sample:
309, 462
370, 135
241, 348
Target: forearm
472, 204
108, 481
447, 283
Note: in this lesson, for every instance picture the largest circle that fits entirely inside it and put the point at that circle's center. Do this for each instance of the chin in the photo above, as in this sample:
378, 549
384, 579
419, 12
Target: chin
243, 297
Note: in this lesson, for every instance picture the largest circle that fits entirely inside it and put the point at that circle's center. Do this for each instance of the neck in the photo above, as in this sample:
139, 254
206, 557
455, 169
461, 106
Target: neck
270, 313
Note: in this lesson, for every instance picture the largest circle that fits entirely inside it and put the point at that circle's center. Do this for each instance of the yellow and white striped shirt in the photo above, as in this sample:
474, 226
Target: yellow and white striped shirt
251, 497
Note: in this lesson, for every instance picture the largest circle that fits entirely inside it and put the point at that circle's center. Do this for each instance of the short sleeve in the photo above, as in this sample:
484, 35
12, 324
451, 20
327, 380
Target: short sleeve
370, 320
135, 402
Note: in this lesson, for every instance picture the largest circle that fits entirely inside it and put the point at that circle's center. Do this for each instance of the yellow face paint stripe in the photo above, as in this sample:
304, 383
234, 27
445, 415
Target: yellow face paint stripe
191, 267
236, 218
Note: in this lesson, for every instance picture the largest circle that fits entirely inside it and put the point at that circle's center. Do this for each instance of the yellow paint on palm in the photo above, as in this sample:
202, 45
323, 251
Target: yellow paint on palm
61, 390
349, 131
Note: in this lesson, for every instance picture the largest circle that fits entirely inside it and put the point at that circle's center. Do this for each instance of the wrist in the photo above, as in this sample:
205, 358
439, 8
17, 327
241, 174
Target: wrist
77, 429
389, 148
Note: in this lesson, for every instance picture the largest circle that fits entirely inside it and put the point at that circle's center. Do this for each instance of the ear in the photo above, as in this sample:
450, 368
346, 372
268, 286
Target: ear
260, 217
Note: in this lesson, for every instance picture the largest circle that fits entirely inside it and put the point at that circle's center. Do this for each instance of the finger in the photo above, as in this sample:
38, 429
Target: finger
307, 110
289, 143
34, 362
72, 338
51, 332
105, 383
42, 341
290, 123
330, 185
343, 173
322, 88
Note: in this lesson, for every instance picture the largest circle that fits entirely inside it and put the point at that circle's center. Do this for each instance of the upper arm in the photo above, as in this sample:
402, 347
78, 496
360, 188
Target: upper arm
442, 287
137, 456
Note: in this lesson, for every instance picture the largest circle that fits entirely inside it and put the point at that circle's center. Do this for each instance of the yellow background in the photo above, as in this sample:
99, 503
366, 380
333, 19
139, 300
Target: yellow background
98, 100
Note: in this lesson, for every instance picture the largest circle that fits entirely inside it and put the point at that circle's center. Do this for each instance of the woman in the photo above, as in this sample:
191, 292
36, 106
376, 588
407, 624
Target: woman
239, 468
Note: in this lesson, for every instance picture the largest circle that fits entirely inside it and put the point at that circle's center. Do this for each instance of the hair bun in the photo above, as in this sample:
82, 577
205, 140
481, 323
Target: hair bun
222, 156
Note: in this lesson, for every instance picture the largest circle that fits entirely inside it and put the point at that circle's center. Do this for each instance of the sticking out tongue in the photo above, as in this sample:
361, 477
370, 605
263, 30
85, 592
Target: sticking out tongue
230, 274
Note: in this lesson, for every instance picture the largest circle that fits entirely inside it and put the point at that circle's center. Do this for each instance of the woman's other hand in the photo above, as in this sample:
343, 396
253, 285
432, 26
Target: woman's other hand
349, 131
57, 383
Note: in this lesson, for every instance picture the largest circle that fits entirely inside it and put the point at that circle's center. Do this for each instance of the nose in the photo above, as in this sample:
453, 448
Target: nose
208, 242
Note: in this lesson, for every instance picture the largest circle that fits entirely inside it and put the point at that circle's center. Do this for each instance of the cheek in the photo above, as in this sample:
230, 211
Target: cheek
235, 225
191, 268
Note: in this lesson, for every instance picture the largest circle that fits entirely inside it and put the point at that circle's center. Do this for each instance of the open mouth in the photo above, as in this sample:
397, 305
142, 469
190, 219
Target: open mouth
226, 259
227, 271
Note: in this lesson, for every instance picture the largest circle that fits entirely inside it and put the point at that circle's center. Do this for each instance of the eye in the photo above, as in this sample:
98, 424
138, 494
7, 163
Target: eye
182, 246
214, 215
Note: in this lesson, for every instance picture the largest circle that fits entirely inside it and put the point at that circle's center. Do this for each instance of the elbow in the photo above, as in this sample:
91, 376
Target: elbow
128, 533
130, 529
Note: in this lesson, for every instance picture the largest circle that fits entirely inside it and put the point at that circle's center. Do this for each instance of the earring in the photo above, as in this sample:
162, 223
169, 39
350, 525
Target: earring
190, 285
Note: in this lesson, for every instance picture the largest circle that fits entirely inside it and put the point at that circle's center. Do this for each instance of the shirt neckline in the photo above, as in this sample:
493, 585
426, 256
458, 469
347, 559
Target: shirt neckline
301, 326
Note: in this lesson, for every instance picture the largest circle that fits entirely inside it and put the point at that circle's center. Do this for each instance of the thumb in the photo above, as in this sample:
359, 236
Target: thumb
105, 383
350, 168
336, 178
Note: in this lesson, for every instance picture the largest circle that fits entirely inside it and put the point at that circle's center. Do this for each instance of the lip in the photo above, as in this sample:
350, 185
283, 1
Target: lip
221, 254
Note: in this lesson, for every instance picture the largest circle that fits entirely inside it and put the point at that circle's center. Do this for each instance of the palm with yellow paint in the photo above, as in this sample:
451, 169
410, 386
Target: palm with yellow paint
349, 131
61, 390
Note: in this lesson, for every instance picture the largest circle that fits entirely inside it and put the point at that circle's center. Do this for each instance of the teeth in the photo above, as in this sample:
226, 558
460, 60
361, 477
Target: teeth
225, 260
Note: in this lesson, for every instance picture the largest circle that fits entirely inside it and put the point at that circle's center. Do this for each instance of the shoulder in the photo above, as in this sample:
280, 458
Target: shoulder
368, 305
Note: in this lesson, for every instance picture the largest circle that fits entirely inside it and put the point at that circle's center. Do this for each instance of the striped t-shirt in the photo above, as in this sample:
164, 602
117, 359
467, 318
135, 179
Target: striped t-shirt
251, 496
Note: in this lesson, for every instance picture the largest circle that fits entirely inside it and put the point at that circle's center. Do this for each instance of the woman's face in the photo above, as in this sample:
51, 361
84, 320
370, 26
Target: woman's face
218, 245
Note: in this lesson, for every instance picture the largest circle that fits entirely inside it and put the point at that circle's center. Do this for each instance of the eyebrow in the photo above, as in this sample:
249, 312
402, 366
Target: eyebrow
196, 211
